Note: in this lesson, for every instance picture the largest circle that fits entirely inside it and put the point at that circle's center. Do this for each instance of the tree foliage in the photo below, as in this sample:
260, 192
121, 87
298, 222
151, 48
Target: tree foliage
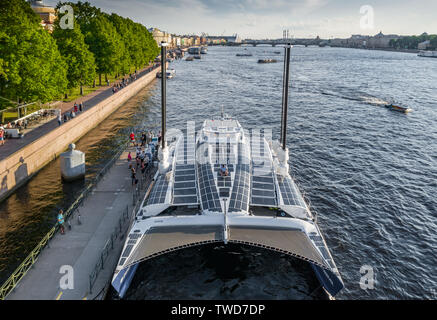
80, 61
33, 67
412, 42
38, 66
118, 43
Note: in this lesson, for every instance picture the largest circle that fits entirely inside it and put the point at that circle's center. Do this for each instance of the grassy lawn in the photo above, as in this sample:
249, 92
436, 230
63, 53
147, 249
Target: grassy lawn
73, 95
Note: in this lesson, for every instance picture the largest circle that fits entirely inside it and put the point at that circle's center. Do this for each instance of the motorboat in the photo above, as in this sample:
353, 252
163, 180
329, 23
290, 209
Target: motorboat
170, 73
427, 54
194, 50
243, 54
197, 56
398, 108
203, 50
267, 60
189, 58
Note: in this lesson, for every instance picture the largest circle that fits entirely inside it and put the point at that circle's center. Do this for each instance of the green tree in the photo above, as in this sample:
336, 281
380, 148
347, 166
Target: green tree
131, 49
106, 44
33, 67
80, 61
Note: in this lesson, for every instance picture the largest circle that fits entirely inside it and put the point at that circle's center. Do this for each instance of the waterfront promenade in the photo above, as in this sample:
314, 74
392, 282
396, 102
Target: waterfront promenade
13, 145
19, 163
82, 246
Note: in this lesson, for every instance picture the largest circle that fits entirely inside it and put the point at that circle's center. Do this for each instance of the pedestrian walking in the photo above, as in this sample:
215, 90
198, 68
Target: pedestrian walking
143, 167
75, 108
133, 176
2, 136
61, 221
80, 107
129, 157
132, 138
59, 119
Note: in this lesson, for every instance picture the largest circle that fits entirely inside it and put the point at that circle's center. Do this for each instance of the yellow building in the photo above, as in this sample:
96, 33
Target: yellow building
47, 13
160, 36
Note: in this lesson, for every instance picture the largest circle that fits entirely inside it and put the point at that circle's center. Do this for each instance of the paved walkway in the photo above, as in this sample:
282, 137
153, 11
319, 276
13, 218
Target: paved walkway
13, 145
81, 246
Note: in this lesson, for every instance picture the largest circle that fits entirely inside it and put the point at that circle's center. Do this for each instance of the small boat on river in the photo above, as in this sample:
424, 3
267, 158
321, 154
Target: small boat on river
267, 60
398, 108
427, 54
169, 74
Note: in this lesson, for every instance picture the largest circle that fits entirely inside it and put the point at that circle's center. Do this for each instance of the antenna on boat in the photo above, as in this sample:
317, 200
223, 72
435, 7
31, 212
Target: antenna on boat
163, 91
285, 95
163, 151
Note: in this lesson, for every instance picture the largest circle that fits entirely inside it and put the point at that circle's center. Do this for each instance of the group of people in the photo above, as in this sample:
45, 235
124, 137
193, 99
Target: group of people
146, 138
22, 124
124, 82
143, 155
70, 114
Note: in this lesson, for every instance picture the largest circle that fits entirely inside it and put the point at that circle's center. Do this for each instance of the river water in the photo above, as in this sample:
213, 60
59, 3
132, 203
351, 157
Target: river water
369, 173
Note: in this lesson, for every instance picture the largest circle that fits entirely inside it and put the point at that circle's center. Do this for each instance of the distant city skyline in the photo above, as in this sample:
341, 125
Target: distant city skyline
259, 19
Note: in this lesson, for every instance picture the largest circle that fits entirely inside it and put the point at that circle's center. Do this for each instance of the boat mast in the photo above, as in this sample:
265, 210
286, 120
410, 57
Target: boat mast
285, 95
163, 91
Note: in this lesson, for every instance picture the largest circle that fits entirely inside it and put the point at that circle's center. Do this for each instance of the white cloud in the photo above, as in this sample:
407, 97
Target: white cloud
267, 18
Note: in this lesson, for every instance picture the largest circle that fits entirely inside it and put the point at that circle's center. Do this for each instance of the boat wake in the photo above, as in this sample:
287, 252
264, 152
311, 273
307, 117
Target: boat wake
361, 97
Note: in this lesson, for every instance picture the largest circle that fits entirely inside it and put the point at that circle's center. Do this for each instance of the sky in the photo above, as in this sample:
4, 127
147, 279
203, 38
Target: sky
261, 19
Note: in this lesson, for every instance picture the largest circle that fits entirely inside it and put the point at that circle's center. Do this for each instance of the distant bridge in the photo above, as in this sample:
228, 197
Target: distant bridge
275, 42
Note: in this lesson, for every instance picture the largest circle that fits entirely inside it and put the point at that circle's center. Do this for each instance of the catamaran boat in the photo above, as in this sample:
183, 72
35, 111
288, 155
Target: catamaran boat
225, 185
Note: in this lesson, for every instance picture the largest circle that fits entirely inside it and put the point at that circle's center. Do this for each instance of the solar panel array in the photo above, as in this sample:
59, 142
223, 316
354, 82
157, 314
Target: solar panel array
186, 148
207, 188
222, 153
240, 191
263, 187
289, 192
184, 191
159, 191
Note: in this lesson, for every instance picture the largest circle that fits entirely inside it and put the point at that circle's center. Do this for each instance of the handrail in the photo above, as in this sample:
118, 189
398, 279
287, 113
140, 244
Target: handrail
28, 262
137, 200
